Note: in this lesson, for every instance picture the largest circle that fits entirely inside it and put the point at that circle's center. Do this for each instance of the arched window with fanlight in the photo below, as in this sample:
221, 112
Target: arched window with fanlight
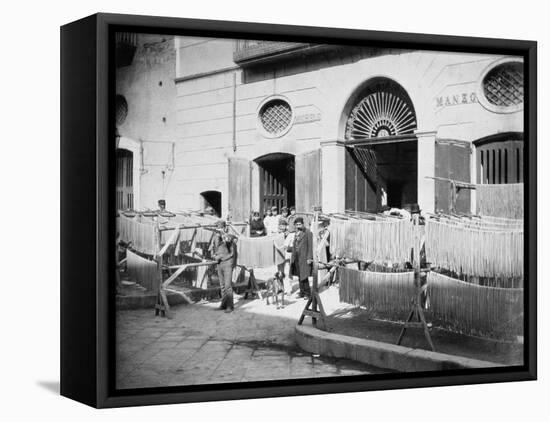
500, 159
381, 147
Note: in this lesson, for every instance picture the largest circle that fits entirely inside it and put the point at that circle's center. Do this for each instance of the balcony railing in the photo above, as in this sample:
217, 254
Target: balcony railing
251, 51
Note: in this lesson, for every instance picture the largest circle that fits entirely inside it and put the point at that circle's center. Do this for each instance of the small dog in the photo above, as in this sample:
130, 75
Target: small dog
275, 286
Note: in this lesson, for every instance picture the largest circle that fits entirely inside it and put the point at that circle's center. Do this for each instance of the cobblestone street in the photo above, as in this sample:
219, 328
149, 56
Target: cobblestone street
202, 345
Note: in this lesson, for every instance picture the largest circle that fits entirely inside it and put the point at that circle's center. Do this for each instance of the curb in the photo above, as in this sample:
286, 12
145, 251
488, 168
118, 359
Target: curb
379, 354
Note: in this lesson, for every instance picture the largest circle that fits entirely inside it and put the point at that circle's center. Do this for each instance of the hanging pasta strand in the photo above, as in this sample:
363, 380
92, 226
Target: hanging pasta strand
140, 232
366, 240
472, 309
142, 270
500, 200
259, 252
387, 294
484, 251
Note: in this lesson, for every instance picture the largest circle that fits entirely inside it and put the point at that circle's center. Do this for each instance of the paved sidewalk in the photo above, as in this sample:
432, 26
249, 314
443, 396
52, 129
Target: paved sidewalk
202, 345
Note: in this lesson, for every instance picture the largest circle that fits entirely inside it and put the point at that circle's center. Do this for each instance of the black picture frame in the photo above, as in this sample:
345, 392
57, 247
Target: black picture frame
87, 219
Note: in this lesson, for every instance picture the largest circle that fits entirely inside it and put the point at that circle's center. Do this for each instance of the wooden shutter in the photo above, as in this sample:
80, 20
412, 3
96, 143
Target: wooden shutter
452, 161
308, 180
361, 193
239, 188
124, 180
500, 162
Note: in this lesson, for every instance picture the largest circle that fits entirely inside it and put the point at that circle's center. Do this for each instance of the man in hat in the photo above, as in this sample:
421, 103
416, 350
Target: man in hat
285, 249
284, 216
162, 206
301, 258
291, 218
223, 249
418, 219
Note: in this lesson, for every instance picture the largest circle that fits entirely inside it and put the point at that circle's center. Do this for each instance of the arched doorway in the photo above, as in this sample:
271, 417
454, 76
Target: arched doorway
124, 179
382, 149
277, 184
212, 199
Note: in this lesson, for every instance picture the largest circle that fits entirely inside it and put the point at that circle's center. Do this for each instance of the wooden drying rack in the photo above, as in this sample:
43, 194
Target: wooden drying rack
314, 307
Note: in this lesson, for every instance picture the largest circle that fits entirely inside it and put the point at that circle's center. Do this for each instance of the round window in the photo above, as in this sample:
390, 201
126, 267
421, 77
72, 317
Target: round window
121, 109
276, 117
503, 86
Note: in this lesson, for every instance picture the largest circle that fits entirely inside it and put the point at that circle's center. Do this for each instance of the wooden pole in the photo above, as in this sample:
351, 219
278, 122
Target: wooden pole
416, 302
315, 269
162, 307
314, 306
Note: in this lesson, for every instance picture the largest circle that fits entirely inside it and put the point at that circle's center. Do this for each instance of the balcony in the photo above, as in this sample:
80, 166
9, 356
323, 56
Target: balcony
126, 45
252, 51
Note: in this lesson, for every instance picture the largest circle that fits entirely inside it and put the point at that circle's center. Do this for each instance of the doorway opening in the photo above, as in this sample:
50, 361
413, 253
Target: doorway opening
124, 179
212, 199
381, 174
277, 185
397, 169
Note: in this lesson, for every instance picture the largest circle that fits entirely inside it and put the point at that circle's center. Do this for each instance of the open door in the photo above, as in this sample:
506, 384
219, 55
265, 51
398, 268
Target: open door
308, 180
239, 192
452, 161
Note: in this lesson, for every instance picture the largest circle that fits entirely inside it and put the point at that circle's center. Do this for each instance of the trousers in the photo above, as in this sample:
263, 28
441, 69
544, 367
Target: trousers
284, 267
305, 290
225, 275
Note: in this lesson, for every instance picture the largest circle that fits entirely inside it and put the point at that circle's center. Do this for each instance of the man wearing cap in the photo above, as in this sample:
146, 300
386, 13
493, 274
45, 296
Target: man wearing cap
162, 206
418, 219
290, 220
285, 249
301, 259
223, 249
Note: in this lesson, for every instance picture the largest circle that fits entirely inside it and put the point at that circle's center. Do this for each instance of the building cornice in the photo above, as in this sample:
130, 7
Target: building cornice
205, 74
332, 142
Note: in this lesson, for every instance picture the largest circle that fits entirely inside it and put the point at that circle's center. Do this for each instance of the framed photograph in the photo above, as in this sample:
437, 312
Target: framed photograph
253, 210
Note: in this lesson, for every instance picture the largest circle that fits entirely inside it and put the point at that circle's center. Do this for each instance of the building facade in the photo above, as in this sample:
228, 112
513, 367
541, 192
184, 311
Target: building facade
241, 125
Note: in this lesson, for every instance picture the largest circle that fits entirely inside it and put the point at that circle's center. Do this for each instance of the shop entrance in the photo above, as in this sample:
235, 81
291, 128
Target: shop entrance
277, 186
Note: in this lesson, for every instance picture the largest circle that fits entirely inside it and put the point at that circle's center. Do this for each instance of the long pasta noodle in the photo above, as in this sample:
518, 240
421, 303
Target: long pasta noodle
473, 309
387, 293
500, 200
475, 251
140, 232
142, 270
365, 240
259, 252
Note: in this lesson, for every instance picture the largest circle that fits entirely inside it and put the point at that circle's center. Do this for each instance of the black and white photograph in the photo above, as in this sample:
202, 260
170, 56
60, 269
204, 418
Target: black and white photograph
293, 210
268, 212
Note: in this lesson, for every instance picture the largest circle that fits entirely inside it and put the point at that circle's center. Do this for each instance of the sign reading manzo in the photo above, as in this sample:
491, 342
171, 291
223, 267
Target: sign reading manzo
456, 99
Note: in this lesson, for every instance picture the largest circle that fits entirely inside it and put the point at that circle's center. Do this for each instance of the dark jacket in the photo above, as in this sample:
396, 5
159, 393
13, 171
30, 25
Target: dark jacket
223, 249
257, 225
290, 220
302, 250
